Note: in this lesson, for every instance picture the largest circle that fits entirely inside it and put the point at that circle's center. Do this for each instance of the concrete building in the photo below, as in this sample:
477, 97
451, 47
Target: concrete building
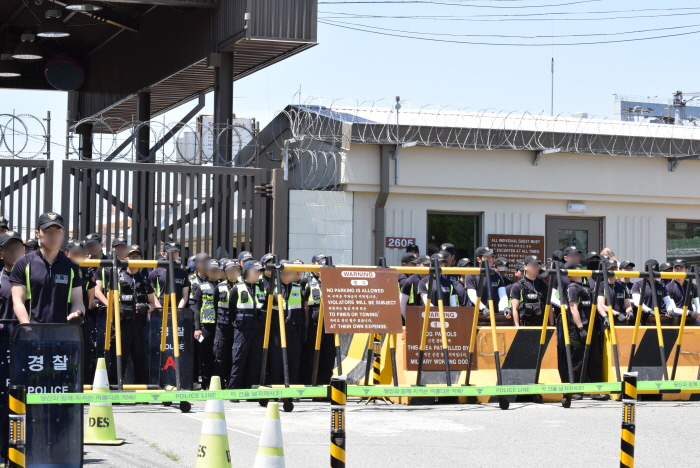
360, 176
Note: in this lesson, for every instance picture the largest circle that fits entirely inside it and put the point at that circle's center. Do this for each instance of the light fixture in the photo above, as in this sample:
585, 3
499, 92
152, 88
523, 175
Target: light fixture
8, 67
53, 26
83, 5
27, 49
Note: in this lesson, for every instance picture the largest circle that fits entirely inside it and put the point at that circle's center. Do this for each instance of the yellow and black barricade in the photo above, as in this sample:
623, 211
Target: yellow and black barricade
629, 400
338, 396
18, 423
686, 305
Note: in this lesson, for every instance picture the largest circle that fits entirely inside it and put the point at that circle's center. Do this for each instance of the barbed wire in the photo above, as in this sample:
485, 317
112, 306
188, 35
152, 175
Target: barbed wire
340, 123
23, 136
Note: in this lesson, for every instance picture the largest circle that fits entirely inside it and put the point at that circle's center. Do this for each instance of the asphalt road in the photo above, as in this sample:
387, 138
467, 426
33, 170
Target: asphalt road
387, 436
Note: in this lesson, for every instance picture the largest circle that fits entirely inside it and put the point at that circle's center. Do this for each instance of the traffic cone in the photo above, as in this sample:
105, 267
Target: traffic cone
213, 444
100, 429
270, 451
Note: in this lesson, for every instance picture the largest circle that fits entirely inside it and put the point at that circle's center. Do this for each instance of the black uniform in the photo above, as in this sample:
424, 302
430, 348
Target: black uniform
472, 282
89, 326
133, 291
532, 295
159, 279
583, 297
647, 300
294, 326
246, 316
204, 310
676, 292
402, 279
311, 295
618, 292
410, 288
6, 308
453, 293
48, 285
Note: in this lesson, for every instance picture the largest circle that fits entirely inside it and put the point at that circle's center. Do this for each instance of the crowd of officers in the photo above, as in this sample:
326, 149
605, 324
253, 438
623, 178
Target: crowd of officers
41, 282
520, 300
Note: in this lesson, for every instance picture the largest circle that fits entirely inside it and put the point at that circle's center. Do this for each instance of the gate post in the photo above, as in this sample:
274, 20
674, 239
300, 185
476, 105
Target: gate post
280, 213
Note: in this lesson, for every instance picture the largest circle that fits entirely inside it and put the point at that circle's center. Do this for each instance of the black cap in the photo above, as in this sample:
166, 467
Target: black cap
571, 249
592, 255
117, 241
285, 262
449, 248
571, 265
423, 260
665, 266
680, 262
627, 264
408, 258
440, 256
31, 244
252, 264
317, 258
268, 257
213, 264
609, 263
557, 256
134, 248
9, 235
245, 255
501, 263
465, 262
94, 237
230, 264
484, 252
520, 266
171, 247
413, 248
4, 222
49, 219
75, 245
531, 259
654, 264
298, 262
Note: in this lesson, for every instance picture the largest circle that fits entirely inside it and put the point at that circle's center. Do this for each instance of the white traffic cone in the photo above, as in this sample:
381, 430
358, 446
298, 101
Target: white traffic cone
213, 449
270, 451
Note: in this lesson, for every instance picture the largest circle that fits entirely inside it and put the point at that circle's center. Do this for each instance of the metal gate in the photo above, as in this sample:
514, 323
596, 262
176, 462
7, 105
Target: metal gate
26, 191
219, 210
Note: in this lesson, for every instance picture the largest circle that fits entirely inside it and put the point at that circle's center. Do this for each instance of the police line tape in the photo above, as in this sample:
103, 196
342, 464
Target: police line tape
355, 391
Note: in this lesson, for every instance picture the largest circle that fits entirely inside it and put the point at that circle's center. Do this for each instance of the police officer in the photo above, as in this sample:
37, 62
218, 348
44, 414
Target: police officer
409, 291
498, 290
406, 260
267, 274
453, 293
46, 285
136, 301
294, 326
665, 267
627, 266
528, 296
31, 245
620, 300
675, 293
76, 251
413, 248
225, 318
311, 302
451, 258
518, 273
247, 300
204, 309
647, 300
578, 315
4, 227
570, 255
103, 275
502, 266
12, 249
159, 278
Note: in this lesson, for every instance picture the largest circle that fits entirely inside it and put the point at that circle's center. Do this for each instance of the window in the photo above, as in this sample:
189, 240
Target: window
683, 241
462, 230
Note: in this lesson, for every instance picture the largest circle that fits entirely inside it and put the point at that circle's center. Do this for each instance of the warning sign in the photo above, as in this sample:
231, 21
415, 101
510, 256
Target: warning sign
361, 301
516, 248
458, 325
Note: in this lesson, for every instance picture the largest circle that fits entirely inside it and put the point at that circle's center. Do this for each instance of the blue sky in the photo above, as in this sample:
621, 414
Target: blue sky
363, 66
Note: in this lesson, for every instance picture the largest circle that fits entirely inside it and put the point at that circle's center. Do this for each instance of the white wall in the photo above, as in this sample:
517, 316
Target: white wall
635, 196
320, 222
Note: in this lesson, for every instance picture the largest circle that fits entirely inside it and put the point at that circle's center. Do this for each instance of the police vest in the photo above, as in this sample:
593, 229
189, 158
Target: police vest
247, 304
207, 314
530, 299
292, 303
314, 292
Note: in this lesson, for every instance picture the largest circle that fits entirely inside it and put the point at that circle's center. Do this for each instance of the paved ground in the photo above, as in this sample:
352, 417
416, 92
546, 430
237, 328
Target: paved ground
526, 435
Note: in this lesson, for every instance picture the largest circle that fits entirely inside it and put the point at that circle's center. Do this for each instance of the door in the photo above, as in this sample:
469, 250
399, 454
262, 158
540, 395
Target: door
584, 233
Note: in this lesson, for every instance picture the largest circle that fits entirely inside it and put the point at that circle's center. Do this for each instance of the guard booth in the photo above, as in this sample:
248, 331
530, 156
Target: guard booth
47, 359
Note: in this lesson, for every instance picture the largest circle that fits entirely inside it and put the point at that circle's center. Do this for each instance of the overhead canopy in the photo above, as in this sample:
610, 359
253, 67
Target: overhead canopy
158, 46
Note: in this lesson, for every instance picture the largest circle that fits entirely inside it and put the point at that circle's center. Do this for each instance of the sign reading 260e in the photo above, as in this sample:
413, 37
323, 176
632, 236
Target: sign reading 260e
399, 242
